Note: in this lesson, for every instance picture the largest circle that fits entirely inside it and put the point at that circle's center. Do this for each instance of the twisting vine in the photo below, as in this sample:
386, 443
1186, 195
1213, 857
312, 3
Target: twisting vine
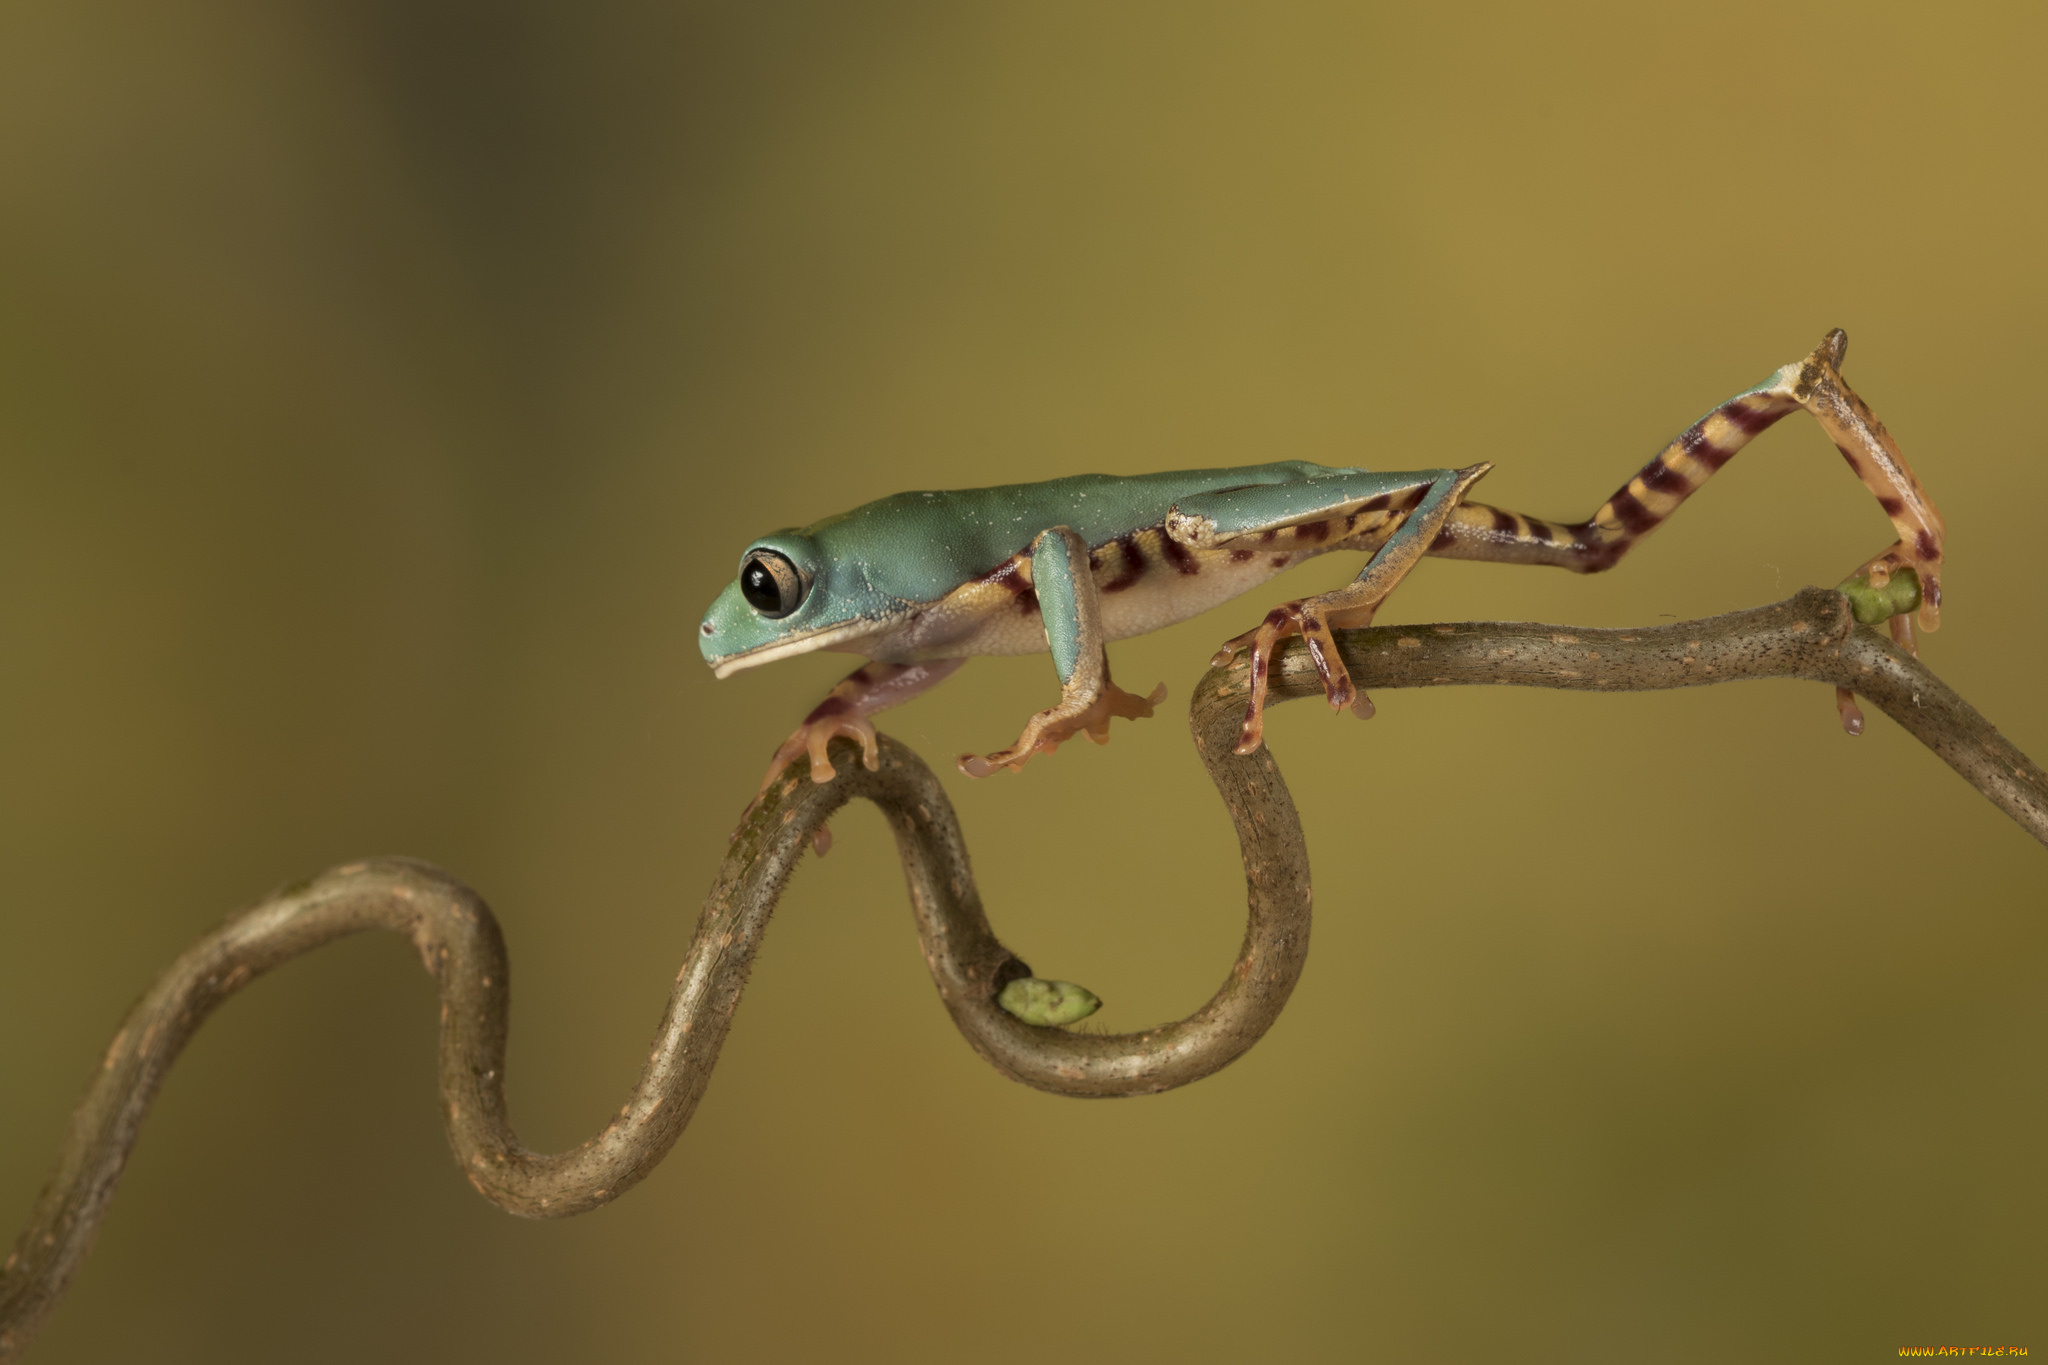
1813, 635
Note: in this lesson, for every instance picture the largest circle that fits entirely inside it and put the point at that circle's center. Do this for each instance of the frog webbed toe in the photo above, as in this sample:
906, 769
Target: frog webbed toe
1311, 618
813, 737
1051, 727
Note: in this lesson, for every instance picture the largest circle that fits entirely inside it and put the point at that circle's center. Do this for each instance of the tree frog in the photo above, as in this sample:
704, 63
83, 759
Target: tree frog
919, 582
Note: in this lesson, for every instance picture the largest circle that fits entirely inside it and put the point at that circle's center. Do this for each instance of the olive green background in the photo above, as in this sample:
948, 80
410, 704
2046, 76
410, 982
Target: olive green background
387, 386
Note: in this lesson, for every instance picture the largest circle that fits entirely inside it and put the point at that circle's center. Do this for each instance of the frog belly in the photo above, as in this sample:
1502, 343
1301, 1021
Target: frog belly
997, 614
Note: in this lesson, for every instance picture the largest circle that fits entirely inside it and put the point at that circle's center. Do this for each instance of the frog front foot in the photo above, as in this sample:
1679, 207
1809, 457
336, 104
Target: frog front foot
812, 737
1056, 724
817, 732
870, 688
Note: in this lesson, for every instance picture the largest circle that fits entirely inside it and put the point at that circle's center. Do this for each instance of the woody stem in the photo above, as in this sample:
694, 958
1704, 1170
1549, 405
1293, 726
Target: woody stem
1812, 635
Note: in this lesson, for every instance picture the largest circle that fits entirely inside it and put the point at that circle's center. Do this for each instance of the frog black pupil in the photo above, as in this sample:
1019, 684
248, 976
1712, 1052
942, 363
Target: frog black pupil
768, 591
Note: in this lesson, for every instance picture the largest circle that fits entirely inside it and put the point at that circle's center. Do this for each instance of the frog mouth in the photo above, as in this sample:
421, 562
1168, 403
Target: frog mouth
825, 637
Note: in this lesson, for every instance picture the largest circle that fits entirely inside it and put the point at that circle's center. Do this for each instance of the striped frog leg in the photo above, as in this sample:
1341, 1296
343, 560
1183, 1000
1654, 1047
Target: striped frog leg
1398, 526
1070, 605
1476, 531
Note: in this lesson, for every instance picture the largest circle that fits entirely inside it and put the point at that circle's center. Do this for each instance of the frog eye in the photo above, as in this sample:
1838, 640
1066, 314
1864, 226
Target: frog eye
771, 584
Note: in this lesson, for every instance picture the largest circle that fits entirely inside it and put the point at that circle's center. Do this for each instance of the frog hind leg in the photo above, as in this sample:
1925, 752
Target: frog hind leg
1476, 531
1348, 607
1070, 605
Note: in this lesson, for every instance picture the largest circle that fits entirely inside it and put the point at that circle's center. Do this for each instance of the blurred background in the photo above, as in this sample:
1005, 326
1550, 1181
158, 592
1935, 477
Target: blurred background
386, 387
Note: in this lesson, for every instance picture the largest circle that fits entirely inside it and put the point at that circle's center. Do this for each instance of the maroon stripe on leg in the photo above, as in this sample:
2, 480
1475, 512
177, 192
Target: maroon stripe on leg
1630, 512
1597, 553
1695, 443
1749, 420
1664, 479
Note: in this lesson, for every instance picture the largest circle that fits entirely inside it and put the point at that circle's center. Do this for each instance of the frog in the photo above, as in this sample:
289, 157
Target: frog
920, 582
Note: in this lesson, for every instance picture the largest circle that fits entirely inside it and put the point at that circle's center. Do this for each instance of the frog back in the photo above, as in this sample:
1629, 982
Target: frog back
917, 547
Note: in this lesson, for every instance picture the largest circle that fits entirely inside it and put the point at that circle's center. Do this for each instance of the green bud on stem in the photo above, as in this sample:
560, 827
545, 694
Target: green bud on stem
1048, 1003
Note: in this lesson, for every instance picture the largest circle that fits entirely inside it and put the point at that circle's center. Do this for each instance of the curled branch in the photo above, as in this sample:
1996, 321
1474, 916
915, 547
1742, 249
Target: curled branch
1811, 636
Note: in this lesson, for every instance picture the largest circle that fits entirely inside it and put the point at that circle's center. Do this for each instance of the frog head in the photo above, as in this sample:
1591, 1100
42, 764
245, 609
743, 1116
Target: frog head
791, 597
